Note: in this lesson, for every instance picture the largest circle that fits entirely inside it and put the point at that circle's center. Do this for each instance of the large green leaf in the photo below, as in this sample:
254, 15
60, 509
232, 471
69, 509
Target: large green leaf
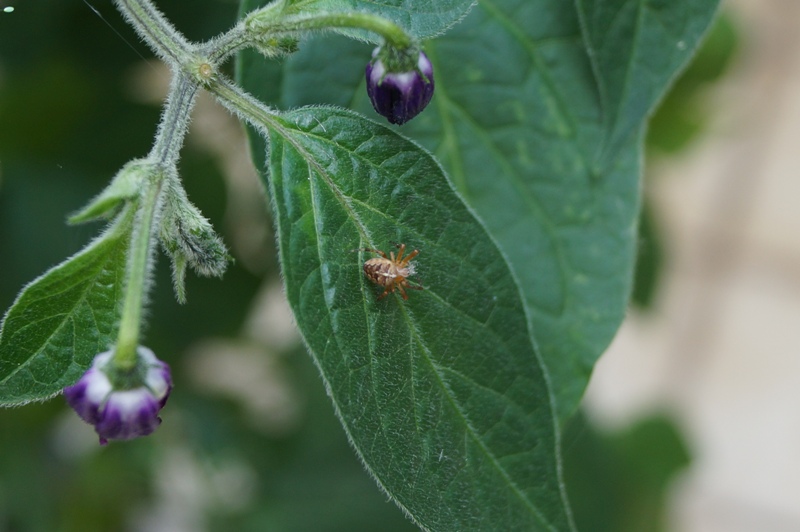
443, 396
63, 319
538, 117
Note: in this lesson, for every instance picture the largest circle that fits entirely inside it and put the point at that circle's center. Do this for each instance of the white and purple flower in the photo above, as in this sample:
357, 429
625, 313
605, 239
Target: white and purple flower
399, 96
121, 412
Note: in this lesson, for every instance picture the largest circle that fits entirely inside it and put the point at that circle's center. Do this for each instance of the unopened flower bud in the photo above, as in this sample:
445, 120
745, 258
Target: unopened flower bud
399, 95
189, 239
121, 407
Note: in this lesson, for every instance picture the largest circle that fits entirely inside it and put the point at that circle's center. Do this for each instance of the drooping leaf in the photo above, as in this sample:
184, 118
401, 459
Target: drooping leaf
538, 117
443, 396
61, 320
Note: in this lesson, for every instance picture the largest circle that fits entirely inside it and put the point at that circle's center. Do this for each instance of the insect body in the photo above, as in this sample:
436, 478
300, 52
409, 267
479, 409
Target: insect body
391, 272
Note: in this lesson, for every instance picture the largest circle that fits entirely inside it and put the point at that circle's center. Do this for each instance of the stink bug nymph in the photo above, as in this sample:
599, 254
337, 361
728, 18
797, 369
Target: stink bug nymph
391, 272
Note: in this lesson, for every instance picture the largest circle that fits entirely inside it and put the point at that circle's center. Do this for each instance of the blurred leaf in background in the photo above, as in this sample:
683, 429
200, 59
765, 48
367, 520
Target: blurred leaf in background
618, 481
682, 115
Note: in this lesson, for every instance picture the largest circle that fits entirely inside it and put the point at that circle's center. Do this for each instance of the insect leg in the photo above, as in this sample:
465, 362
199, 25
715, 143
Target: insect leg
409, 257
402, 248
379, 252
389, 290
402, 291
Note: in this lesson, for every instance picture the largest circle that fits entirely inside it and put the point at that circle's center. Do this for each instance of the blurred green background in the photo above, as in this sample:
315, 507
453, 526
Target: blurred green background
264, 452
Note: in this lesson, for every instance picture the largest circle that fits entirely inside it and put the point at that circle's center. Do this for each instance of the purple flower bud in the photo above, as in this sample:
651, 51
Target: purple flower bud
121, 414
399, 96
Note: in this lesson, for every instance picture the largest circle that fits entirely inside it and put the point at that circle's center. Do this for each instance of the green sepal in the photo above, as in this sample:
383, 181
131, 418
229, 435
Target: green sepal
127, 378
397, 60
272, 47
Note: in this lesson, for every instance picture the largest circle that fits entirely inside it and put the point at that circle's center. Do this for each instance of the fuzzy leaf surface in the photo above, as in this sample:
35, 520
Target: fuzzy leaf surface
61, 320
538, 117
443, 396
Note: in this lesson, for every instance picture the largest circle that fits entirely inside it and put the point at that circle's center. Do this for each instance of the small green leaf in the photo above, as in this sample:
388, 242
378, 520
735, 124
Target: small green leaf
63, 319
443, 396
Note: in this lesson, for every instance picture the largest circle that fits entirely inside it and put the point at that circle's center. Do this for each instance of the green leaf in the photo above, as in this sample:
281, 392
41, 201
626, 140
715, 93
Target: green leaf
443, 396
61, 320
636, 49
421, 19
538, 118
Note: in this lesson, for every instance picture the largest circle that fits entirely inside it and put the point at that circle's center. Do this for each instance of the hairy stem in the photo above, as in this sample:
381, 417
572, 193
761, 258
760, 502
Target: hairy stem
154, 28
260, 22
244, 105
138, 269
164, 156
174, 121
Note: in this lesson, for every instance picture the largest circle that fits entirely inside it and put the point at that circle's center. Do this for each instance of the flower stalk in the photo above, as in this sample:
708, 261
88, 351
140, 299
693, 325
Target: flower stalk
260, 23
139, 259
163, 158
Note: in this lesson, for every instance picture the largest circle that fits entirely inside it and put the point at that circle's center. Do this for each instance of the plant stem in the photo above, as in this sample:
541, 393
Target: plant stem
192, 66
259, 23
174, 121
154, 28
164, 156
228, 43
139, 259
244, 105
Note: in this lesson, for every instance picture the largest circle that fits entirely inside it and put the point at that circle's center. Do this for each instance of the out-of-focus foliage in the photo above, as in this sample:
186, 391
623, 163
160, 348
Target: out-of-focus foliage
617, 482
682, 115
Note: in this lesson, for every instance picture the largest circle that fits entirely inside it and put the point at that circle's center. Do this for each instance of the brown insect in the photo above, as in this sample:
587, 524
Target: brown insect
391, 272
